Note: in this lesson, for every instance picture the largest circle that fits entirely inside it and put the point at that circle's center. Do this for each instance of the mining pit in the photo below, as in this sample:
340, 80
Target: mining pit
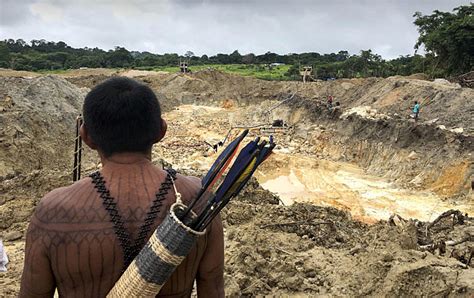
348, 205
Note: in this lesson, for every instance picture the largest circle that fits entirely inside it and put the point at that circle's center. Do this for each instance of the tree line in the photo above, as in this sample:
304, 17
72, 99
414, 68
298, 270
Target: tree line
40, 55
447, 38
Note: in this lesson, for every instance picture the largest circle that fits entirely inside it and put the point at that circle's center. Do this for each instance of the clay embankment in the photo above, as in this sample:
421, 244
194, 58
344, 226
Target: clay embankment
442, 102
419, 155
36, 123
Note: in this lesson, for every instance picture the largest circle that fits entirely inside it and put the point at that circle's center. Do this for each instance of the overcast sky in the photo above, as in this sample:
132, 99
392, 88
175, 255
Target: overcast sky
222, 26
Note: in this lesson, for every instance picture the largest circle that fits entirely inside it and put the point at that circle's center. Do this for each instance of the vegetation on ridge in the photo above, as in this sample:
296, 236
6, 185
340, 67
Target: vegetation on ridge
448, 39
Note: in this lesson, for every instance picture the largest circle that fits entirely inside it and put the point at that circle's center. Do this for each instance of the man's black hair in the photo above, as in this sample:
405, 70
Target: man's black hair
122, 115
416, 102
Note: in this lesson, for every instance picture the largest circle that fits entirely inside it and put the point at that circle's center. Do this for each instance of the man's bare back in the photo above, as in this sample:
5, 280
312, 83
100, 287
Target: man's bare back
73, 243
72, 231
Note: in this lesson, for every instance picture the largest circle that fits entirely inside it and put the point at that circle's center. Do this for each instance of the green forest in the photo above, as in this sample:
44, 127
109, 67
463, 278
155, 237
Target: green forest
447, 39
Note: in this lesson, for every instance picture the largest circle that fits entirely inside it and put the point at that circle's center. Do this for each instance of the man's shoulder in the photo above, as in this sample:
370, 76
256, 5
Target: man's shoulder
59, 201
188, 186
61, 194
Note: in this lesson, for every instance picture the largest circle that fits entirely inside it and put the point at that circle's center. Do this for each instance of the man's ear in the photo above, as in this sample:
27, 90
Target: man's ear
86, 138
163, 129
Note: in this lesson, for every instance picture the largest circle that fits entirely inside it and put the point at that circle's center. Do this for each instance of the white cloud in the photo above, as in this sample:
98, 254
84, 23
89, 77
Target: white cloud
219, 26
47, 12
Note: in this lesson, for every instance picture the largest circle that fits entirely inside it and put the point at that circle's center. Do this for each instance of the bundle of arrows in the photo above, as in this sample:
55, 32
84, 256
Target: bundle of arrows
242, 169
174, 238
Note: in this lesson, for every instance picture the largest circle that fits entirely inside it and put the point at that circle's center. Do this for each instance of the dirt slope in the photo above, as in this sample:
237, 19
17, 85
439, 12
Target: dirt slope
446, 103
310, 250
37, 122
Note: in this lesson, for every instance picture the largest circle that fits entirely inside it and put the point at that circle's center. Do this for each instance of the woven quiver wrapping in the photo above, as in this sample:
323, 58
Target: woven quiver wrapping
164, 251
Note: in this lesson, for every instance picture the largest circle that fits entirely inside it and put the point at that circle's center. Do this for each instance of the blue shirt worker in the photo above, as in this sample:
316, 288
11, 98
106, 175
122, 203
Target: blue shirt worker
416, 110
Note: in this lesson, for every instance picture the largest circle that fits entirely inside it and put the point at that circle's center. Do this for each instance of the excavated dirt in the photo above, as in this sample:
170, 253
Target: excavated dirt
305, 249
336, 177
442, 102
37, 123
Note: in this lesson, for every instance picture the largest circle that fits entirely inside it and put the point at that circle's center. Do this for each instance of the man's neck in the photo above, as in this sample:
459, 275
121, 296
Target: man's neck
125, 158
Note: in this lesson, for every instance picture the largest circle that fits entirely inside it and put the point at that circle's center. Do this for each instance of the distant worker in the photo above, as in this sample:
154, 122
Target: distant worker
335, 109
329, 102
416, 110
3, 258
83, 236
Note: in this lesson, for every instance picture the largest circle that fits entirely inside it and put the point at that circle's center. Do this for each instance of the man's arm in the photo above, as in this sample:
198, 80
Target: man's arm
37, 279
210, 277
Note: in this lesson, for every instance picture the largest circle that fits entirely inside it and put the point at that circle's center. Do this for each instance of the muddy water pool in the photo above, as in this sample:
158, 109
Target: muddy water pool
346, 186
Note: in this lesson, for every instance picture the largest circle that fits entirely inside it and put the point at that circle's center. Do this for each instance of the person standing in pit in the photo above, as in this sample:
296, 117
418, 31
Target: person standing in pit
329, 103
416, 110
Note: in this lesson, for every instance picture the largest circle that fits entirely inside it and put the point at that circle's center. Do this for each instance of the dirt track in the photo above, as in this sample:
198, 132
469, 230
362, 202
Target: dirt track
368, 164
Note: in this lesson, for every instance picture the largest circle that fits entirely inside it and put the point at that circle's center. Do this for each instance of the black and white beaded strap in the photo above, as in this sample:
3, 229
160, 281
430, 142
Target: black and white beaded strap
130, 251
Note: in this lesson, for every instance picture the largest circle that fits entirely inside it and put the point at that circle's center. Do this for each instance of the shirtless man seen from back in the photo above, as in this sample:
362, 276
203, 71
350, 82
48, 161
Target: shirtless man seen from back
71, 242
